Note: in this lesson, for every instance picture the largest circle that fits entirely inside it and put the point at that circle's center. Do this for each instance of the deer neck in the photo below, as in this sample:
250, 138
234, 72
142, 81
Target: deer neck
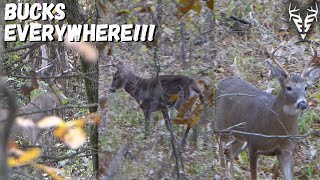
287, 114
132, 86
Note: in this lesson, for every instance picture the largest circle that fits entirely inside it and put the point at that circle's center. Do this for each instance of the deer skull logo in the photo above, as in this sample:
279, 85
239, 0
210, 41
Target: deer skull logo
303, 26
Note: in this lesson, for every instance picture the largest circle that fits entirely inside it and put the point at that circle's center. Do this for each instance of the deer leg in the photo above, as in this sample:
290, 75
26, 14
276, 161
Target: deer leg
184, 138
147, 116
221, 154
286, 158
166, 118
235, 148
253, 157
176, 150
232, 151
195, 135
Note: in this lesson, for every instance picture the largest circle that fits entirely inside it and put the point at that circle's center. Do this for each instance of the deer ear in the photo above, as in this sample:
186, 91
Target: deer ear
277, 72
313, 75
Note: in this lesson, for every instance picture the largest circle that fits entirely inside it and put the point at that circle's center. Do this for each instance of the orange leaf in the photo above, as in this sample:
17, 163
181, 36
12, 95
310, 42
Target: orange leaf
12, 145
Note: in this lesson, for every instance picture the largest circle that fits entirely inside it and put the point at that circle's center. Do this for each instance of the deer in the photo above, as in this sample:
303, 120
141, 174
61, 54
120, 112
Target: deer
240, 106
47, 99
154, 94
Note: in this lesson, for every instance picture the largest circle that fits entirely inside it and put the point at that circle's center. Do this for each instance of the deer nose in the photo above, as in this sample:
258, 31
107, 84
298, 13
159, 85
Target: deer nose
302, 105
112, 90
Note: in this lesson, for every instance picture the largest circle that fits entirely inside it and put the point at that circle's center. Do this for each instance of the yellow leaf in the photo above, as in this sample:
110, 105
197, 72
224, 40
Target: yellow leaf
77, 123
75, 137
50, 121
61, 130
53, 172
25, 158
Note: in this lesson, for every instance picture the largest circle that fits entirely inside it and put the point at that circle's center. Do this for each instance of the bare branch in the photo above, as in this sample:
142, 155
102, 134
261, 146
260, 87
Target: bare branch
61, 107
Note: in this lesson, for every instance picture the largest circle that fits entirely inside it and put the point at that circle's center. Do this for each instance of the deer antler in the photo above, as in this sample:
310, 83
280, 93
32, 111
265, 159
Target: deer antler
280, 66
310, 61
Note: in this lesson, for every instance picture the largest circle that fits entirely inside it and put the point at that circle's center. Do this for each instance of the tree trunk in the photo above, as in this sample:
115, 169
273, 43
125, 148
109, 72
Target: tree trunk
74, 16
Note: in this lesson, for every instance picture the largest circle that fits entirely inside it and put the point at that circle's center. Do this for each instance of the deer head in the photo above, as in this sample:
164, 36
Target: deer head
294, 86
119, 80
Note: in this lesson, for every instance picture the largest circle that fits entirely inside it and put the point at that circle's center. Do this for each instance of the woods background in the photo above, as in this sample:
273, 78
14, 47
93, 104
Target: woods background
203, 39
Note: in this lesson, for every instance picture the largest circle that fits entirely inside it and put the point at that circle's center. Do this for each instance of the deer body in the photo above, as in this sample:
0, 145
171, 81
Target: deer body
268, 118
237, 101
33, 135
153, 94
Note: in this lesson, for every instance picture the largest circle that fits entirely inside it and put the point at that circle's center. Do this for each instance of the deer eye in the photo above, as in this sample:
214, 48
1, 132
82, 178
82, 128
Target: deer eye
289, 88
306, 88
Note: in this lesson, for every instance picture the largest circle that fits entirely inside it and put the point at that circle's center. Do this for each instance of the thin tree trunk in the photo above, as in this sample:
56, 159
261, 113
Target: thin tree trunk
74, 16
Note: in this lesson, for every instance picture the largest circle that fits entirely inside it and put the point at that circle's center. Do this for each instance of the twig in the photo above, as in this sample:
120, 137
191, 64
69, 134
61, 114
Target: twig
25, 46
313, 133
49, 77
61, 107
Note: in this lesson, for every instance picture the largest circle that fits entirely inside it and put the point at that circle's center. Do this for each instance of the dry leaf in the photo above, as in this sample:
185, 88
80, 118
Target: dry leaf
75, 138
210, 4
93, 118
77, 123
25, 158
85, 49
186, 106
53, 172
181, 121
174, 97
27, 123
49, 121
61, 130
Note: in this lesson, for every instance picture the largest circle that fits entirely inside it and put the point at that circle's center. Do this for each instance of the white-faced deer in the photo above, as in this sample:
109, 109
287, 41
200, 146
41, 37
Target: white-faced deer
239, 102
153, 94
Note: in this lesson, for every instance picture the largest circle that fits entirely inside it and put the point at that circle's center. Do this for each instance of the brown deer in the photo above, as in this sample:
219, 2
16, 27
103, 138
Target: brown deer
239, 102
47, 99
153, 94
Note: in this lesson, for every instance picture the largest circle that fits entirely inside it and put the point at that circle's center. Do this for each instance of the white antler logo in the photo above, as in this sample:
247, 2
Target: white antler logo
303, 28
